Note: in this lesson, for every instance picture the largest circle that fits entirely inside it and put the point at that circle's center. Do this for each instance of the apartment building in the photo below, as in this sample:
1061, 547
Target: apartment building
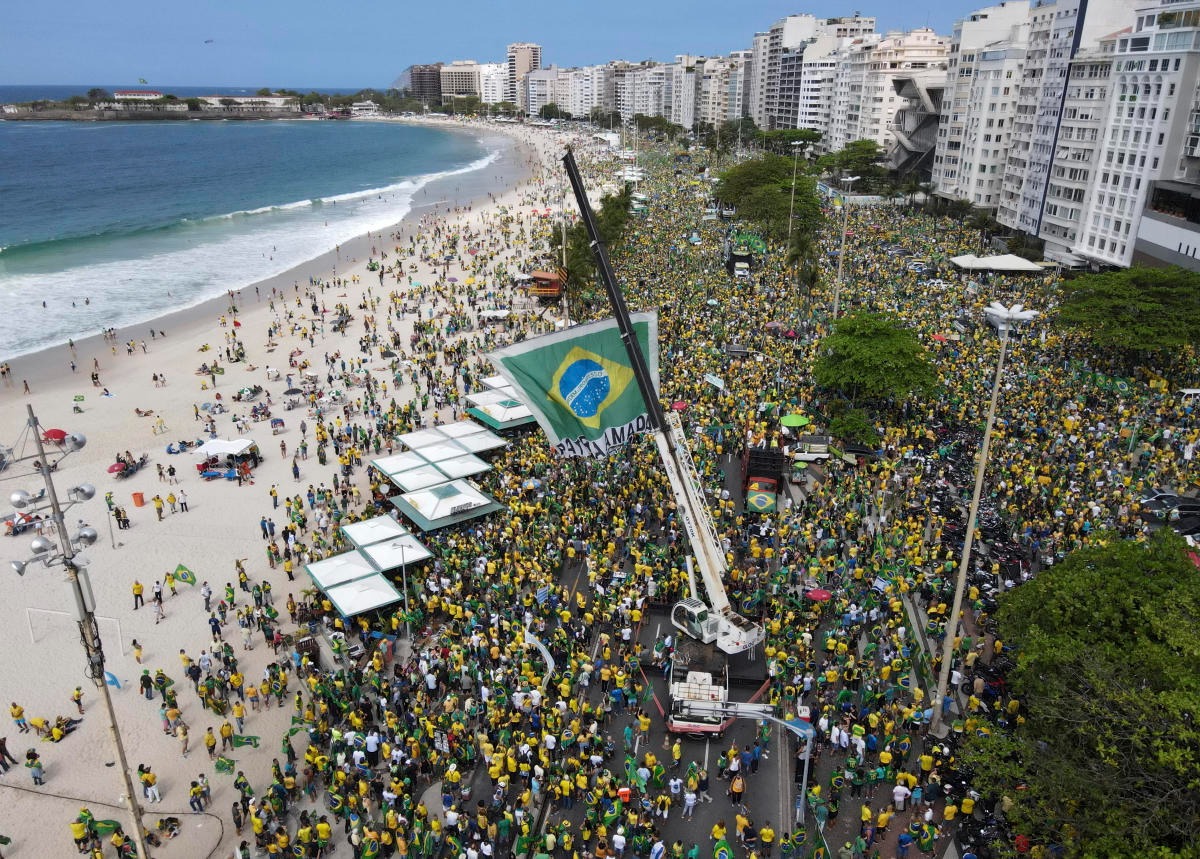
1149, 140
777, 89
865, 99
987, 52
522, 58
460, 79
1081, 131
492, 80
1057, 32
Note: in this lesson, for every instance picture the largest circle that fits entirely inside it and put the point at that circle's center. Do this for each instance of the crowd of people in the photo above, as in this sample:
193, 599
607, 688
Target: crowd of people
471, 706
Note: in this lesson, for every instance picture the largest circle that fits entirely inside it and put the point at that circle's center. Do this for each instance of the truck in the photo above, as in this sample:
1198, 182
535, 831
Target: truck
698, 684
762, 477
715, 621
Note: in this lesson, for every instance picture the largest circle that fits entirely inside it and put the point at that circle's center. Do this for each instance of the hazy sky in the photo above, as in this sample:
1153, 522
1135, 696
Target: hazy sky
356, 43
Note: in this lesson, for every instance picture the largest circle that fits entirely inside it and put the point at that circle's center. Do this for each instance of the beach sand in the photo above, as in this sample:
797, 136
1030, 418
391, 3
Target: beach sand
44, 661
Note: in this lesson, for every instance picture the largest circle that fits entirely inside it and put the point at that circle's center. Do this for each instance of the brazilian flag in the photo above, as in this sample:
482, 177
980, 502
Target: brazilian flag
722, 850
106, 827
240, 740
224, 765
183, 574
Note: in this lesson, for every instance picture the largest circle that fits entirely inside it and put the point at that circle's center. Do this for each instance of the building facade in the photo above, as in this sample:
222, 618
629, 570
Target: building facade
523, 58
460, 79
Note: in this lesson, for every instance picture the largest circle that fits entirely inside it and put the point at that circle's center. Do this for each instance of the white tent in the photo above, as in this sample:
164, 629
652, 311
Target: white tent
458, 429
495, 382
374, 530
398, 462
340, 569
447, 504
225, 447
1001, 262
421, 477
394, 554
363, 595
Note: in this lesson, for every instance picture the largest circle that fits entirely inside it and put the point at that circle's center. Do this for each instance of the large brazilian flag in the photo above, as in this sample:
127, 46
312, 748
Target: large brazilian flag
579, 384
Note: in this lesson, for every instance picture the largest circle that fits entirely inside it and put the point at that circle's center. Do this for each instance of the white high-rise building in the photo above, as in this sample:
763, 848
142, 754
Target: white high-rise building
777, 87
540, 89
1148, 135
865, 100
492, 78
983, 76
685, 74
1080, 133
582, 90
523, 58
1057, 31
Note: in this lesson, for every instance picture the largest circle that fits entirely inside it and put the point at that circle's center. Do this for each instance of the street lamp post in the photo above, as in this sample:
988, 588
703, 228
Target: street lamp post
1003, 318
76, 568
837, 287
797, 147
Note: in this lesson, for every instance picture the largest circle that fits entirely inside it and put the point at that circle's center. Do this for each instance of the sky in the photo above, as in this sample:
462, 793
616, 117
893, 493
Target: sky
367, 43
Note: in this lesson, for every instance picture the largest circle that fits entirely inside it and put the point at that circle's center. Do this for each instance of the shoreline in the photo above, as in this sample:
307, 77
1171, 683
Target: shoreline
511, 169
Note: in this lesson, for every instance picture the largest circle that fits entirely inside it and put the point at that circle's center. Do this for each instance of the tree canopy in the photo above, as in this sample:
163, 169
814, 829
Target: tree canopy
761, 190
582, 274
862, 158
1106, 757
1134, 310
873, 356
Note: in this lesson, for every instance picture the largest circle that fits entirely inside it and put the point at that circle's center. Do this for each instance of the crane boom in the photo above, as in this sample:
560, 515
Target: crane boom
717, 622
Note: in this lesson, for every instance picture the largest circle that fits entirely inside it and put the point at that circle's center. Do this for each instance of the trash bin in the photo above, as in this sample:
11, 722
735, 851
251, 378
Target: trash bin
139, 499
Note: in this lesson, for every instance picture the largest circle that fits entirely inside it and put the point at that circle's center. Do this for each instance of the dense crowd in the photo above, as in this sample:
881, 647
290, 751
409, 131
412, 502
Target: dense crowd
371, 734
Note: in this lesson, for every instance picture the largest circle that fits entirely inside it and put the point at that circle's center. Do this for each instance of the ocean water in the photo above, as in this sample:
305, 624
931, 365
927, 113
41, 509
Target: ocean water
115, 223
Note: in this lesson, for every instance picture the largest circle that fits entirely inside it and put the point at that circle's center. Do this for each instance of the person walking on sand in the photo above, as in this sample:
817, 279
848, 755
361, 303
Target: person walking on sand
18, 716
138, 590
77, 699
183, 508
159, 613
137, 651
158, 506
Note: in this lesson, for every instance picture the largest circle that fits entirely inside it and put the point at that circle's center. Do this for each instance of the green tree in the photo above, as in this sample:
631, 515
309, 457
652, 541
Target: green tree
862, 158
761, 190
1107, 757
873, 356
582, 273
1135, 310
550, 110
96, 94
780, 140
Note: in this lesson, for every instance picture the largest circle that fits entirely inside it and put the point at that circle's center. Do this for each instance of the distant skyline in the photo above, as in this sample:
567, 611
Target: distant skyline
305, 44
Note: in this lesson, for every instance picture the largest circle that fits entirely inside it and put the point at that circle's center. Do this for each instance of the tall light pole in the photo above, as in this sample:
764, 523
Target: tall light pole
797, 147
837, 287
85, 604
1003, 318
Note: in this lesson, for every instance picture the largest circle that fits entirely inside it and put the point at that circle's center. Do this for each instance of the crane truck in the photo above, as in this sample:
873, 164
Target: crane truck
715, 621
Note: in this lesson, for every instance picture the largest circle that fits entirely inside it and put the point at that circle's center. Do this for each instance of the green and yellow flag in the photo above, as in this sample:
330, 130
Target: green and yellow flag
224, 765
579, 384
240, 740
183, 574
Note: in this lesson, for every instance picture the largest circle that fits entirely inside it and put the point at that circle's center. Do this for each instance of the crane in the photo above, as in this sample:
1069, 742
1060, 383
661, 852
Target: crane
714, 622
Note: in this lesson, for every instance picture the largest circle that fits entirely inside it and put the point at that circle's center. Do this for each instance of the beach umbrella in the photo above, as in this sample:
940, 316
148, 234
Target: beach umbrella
116, 468
712, 302
237, 324
794, 421
819, 595
291, 392
799, 466
452, 279
54, 435
940, 338
678, 406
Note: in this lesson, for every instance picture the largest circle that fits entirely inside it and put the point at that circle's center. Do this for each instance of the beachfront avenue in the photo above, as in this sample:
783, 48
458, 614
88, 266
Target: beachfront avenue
458, 742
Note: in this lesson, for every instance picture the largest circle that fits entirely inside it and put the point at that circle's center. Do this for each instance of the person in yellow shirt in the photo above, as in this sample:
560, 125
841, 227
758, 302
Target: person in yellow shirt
718, 831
